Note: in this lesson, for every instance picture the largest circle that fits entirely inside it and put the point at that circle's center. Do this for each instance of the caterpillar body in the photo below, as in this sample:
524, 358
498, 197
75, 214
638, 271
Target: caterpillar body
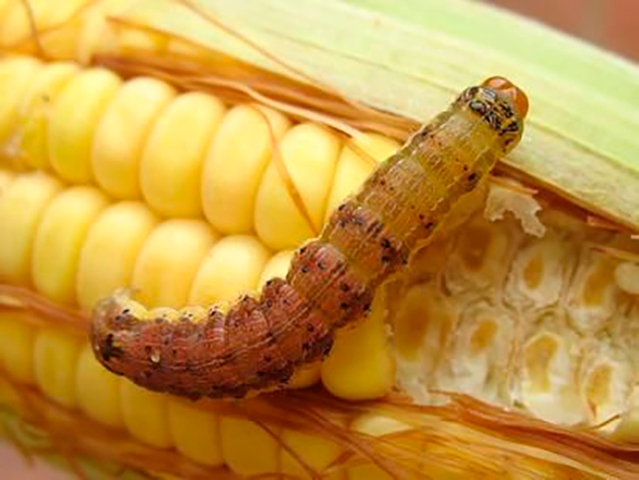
259, 342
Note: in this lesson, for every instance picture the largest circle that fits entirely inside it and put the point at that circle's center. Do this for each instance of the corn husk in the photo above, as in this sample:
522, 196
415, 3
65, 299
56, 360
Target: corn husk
409, 57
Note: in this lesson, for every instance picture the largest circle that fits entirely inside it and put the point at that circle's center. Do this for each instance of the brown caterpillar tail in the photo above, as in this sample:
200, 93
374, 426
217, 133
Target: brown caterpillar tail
255, 346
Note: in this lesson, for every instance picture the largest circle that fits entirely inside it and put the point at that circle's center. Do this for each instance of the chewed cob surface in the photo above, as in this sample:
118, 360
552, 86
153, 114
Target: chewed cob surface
516, 328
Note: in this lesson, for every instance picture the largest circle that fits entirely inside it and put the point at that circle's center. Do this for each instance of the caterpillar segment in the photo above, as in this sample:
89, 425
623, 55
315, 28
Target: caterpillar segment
260, 341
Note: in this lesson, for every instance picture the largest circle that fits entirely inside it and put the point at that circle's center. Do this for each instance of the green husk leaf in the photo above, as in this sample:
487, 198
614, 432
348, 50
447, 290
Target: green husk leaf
411, 57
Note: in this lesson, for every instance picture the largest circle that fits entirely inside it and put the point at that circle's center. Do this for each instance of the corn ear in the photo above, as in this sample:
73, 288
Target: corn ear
571, 364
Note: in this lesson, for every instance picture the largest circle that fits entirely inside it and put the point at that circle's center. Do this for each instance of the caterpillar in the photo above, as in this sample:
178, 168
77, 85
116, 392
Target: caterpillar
260, 341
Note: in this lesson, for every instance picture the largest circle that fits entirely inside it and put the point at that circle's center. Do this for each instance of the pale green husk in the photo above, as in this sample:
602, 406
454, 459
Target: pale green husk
409, 57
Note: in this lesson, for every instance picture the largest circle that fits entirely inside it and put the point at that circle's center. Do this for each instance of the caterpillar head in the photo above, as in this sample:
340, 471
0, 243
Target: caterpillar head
502, 105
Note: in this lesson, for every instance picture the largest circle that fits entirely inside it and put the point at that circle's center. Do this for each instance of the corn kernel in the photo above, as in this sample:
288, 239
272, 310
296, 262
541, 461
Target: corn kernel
309, 154
316, 452
6, 178
171, 165
16, 346
232, 267
538, 273
605, 380
58, 42
15, 76
55, 358
376, 426
119, 232
306, 376
477, 261
4, 4
16, 26
628, 428
148, 41
21, 208
627, 277
547, 381
145, 414
276, 267
228, 194
35, 111
262, 457
169, 261
479, 351
360, 365
592, 297
60, 237
98, 390
122, 133
195, 432
73, 123
96, 33
355, 165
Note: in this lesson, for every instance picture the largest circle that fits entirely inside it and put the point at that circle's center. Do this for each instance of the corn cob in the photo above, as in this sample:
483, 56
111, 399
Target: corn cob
204, 267
233, 431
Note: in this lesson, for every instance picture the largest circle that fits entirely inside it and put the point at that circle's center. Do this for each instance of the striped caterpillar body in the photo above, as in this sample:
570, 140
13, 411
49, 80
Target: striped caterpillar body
259, 342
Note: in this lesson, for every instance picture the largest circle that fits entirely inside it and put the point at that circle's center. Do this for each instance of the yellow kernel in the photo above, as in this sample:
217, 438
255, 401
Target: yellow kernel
74, 119
375, 425
277, 266
234, 167
355, 165
171, 165
316, 452
98, 390
118, 233
95, 32
262, 457
360, 365
55, 355
15, 76
628, 428
122, 134
136, 39
309, 154
195, 432
6, 178
169, 262
17, 27
306, 376
16, 346
4, 4
232, 267
60, 237
627, 277
35, 111
21, 208
145, 414
59, 42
